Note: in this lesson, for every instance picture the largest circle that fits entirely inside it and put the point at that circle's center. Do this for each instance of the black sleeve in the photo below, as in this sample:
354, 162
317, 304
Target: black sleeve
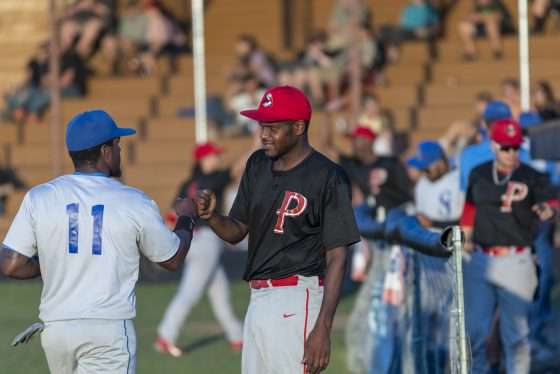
240, 207
542, 189
403, 181
339, 226
469, 195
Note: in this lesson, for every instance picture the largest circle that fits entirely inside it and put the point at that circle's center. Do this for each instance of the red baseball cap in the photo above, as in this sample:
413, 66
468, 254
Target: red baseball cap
206, 149
362, 132
281, 103
506, 132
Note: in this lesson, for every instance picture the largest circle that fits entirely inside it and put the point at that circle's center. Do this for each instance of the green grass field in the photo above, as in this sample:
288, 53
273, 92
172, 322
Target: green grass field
209, 351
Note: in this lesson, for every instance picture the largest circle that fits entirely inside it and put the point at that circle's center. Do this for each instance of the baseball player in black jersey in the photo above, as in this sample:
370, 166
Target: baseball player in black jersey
203, 268
381, 180
295, 204
505, 200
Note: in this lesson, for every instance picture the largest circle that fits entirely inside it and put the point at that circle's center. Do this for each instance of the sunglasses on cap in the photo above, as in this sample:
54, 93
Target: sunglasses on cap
508, 148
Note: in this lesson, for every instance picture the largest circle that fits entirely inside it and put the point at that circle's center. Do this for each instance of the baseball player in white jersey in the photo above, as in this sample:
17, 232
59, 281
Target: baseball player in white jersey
439, 204
83, 234
438, 198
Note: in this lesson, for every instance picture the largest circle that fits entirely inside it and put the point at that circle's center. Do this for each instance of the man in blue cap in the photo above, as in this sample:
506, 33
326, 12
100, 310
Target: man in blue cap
477, 154
438, 198
83, 234
439, 202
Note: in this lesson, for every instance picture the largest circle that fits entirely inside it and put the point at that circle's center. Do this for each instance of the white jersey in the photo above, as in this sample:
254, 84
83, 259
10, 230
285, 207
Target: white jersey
442, 200
88, 231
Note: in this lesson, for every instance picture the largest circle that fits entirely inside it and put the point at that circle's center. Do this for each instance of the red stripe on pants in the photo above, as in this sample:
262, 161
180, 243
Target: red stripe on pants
305, 326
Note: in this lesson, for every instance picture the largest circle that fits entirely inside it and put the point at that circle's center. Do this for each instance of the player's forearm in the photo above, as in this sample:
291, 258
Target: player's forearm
18, 266
336, 264
227, 228
176, 262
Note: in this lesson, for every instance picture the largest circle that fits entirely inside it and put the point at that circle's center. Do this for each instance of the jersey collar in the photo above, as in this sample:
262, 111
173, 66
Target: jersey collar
92, 174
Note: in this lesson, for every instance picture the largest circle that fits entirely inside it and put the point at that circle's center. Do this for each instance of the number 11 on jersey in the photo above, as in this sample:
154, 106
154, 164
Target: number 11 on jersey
73, 228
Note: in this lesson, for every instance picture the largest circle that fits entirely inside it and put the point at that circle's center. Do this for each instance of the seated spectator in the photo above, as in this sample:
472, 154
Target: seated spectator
328, 72
463, 133
251, 59
378, 120
321, 68
511, 95
292, 73
248, 96
373, 55
544, 102
146, 30
419, 20
27, 103
84, 22
9, 181
489, 18
342, 20
540, 10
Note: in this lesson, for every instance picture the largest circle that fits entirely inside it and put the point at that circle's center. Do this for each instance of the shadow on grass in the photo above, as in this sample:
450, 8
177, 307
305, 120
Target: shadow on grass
202, 342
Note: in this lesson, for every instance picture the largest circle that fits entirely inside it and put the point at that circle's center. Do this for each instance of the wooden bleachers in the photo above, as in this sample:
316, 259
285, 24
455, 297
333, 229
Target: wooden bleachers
434, 93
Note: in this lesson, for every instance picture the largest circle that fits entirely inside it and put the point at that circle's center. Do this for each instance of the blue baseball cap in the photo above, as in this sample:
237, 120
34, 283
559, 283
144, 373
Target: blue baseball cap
496, 110
91, 128
528, 119
427, 153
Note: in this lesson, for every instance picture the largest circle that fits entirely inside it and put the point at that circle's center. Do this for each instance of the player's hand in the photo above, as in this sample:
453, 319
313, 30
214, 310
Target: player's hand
468, 246
317, 351
544, 211
185, 207
205, 204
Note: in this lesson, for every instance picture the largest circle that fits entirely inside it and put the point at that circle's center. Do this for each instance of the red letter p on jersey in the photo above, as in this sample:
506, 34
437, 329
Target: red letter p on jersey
283, 212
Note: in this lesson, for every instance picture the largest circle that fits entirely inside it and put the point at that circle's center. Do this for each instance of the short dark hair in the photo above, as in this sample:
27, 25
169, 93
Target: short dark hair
88, 156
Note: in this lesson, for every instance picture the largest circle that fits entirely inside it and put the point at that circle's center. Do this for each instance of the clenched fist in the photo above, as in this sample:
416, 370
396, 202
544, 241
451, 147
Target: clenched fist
205, 204
185, 207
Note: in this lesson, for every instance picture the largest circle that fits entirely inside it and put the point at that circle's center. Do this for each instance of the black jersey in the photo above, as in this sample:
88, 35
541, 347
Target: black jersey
504, 215
293, 216
385, 180
216, 182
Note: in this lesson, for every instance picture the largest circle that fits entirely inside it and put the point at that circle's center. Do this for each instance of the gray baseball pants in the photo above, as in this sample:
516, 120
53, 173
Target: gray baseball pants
202, 271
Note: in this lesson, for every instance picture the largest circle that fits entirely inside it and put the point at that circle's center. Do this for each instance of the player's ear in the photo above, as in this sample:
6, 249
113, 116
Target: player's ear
106, 153
299, 127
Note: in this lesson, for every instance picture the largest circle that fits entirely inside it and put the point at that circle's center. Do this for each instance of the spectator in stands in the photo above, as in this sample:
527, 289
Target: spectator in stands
464, 133
342, 21
378, 120
248, 96
9, 181
511, 95
541, 9
545, 101
314, 60
27, 103
419, 20
146, 31
251, 59
489, 18
373, 55
84, 21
